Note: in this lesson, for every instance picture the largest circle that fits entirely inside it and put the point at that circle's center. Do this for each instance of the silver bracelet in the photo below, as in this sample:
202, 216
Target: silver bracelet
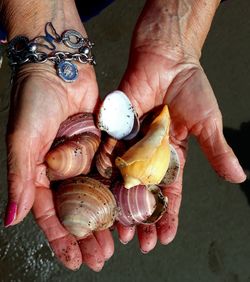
21, 50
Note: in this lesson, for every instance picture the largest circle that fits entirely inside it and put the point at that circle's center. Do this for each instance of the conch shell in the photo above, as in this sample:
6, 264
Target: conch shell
140, 204
74, 148
84, 204
147, 161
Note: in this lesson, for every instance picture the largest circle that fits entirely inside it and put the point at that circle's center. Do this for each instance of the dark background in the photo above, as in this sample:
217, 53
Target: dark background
213, 241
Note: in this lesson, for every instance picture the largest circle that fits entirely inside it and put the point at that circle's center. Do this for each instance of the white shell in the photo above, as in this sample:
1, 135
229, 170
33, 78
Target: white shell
173, 168
117, 116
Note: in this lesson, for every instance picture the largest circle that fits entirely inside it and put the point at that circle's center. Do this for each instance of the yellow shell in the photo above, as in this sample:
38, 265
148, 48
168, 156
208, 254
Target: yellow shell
147, 161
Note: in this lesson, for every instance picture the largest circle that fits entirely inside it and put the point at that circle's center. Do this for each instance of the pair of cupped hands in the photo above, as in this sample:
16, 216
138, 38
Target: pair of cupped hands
41, 101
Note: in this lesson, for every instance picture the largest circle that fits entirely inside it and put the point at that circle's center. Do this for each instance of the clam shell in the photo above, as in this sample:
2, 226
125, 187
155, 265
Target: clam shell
105, 157
173, 168
77, 124
73, 157
140, 204
117, 116
84, 205
74, 148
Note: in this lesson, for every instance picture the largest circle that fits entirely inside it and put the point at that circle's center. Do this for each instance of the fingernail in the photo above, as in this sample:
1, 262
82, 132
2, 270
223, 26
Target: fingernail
123, 242
144, 252
10, 214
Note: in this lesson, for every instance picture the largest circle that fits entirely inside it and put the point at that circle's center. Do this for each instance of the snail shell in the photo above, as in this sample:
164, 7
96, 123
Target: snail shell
105, 157
117, 116
84, 205
74, 148
140, 204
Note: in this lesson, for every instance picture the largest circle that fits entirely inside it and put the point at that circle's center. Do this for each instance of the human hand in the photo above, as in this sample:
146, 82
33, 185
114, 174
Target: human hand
41, 101
164, 68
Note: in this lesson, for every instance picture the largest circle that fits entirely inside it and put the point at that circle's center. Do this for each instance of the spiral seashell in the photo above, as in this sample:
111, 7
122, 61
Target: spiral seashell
105, 157
147, 161
84, 205
140, 204
174, 163
117, 116
72, 152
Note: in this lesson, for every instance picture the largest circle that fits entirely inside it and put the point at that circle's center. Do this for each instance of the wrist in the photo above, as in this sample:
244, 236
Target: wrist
177, 28
29, 19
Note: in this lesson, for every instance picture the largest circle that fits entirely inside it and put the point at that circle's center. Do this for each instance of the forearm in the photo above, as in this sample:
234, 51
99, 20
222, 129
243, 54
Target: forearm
175, 24
28, 17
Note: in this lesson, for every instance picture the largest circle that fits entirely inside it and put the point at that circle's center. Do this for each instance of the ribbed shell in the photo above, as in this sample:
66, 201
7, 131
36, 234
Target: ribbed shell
84, 205
74, 148
140, 204
73, 157
105, 157
78, 124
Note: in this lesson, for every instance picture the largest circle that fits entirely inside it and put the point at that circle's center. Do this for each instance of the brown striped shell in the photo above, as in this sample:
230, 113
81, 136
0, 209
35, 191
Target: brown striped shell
84, 204
105, 157
74, 148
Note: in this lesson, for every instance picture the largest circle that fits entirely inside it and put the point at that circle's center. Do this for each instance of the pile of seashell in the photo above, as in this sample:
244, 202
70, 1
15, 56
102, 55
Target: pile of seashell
97, 183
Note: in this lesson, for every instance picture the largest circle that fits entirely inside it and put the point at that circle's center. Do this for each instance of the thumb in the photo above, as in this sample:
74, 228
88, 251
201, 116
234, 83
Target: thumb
213, 143
21, 175
137, 88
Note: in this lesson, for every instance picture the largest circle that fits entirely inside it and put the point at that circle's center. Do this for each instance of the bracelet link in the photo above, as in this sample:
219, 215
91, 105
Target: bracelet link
22, 51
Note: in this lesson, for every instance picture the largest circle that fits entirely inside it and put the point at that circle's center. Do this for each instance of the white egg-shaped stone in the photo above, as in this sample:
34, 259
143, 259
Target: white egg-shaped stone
117, 116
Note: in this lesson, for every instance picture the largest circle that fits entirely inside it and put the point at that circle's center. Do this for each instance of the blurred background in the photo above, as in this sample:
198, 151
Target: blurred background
213, 240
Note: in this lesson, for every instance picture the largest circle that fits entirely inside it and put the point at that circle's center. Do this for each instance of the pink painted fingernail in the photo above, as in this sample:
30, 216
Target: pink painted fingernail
10, 214
144, 252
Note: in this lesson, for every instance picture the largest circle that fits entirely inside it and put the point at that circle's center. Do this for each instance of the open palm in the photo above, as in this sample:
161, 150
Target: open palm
153, 79
40, 103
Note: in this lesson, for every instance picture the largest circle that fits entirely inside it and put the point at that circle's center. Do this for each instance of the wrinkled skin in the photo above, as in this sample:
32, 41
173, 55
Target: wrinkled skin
154, 76
178, 80
151, 80
40, 102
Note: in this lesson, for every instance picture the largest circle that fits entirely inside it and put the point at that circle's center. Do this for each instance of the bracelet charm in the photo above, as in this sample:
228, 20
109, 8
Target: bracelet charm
67, 71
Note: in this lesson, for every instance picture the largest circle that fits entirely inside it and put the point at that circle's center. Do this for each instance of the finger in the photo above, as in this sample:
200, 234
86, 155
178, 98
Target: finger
62, 243
219, 153
92, 254
125, 233
141, 83
106, 242
168, 224
21, 175
147, 236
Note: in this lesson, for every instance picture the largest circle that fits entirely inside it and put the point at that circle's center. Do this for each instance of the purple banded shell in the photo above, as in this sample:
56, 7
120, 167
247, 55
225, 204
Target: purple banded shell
117, 116
73, 150
78, 124
173, 168
105, 157
139, 204
84, 204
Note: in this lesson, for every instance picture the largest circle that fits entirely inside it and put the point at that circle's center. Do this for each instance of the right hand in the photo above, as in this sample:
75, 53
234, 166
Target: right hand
41, 101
